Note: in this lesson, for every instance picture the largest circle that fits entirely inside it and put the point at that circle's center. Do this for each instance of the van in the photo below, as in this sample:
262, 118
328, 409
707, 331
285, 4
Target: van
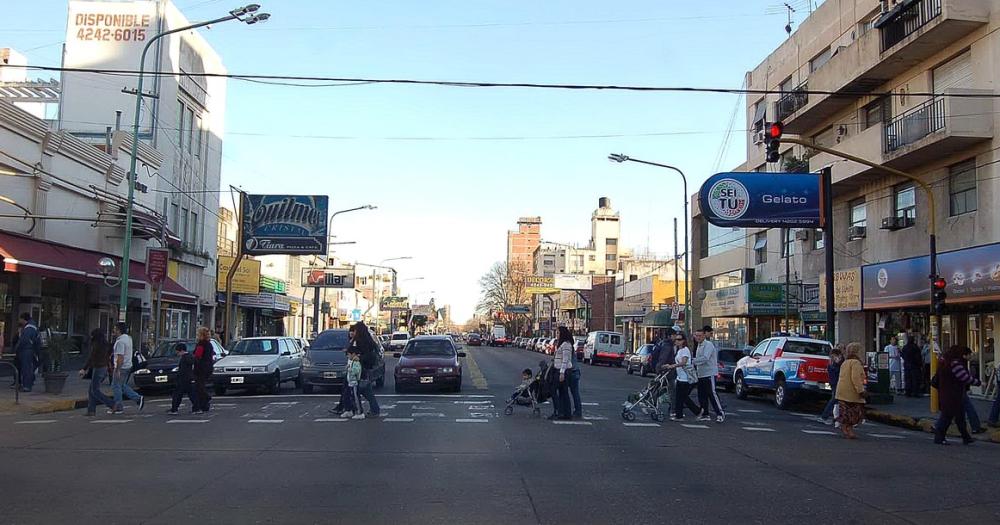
604, 347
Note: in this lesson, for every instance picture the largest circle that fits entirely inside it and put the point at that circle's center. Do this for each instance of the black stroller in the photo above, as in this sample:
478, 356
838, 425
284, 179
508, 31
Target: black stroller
646, 401
531, 395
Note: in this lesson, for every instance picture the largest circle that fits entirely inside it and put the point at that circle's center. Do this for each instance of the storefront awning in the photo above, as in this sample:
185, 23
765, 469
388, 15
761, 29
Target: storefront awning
23, 254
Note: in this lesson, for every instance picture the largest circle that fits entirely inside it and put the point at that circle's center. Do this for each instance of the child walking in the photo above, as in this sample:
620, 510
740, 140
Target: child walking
349, 393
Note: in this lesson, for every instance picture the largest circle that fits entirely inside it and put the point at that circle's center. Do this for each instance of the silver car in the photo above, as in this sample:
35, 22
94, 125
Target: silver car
259, 362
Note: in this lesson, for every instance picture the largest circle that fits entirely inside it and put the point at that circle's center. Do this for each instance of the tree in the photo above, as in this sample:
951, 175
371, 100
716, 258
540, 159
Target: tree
501, 286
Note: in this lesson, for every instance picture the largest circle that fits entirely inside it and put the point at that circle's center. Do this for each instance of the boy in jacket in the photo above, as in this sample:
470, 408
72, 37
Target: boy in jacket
185, 378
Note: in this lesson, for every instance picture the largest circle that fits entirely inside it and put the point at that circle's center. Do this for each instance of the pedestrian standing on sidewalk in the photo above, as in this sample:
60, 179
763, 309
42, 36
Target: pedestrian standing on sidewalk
185, 377
951, 380
895, 366
687, 378
833, 373
362, 341
26, 350
573, 379
706, 361
562, 360
204, 363
97, 363
913, 368
122, 362
851, 391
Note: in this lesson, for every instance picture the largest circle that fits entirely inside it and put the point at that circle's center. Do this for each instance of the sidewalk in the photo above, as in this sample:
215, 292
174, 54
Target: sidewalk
74, 393
914, 413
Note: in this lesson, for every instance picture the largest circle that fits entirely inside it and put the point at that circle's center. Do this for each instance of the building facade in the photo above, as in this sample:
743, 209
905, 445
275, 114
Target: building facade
521, 244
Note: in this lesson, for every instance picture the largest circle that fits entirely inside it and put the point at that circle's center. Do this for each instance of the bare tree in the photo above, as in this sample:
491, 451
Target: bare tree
501, 286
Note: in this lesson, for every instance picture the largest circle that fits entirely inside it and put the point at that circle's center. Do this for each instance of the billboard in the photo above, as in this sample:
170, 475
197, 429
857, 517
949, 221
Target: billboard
395, 303
245, 280
285, 224
846, 291
537, 284
328, 277
157, 263
725, 302
973, 275
762, 200
572, 281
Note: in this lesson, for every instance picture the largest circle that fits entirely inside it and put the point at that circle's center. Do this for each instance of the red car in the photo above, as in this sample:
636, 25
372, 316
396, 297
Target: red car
430, 361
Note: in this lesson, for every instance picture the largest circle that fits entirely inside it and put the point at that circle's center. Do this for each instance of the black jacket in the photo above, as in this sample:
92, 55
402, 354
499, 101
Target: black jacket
185, 369
912, 358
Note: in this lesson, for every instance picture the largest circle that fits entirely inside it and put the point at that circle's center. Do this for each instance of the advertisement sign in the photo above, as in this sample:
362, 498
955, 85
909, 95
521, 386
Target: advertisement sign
517, 308
285, 224
395, 303
157, 264
973, 275
328, 277
265, 301
572, 281
769, 298
846, 291
725, 302
245, 280
537, 284
747, 200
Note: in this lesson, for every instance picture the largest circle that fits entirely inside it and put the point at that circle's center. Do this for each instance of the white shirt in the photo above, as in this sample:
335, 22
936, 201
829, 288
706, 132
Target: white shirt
123, 347
894, 363
564, 357
682, 373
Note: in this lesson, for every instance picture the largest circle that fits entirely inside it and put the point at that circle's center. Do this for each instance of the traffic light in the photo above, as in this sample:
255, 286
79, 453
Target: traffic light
938, 295
773, 141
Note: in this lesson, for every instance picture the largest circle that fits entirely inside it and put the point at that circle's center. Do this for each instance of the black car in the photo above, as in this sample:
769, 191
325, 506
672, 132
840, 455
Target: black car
640, 361
475, 340
728, 358
160, 371
324, 362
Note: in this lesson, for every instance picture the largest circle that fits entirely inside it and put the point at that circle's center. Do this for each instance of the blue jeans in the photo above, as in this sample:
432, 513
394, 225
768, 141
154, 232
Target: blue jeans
368, 392
121, 389
970, 413
995, 410
828, 409
94, 394
26, 368
574, 388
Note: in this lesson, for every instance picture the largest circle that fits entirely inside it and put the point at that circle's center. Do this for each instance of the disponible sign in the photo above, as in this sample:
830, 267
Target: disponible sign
537, 284
973, 275
747, 200
846, 291
285, 224
328, 278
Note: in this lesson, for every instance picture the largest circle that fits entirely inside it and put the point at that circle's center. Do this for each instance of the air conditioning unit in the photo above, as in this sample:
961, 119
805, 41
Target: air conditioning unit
759, 137
802, 235
896, 223
856, 232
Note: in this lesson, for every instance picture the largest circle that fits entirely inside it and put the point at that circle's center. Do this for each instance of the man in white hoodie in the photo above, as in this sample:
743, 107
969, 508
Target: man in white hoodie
706, 361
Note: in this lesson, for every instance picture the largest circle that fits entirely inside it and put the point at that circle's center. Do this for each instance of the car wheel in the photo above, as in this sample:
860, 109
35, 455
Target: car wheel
307, 389
741, 387
298, 381
220, 390
275, 385
628, 369
782, 397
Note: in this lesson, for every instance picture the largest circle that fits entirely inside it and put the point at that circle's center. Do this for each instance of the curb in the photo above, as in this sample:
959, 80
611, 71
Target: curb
924, 424
47, 407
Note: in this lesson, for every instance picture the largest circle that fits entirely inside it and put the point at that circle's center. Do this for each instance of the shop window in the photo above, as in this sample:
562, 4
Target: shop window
859, 213
818, 240
904, 201
760, 247
962, 187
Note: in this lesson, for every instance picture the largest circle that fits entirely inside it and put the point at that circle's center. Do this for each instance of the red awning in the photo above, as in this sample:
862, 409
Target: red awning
23, 254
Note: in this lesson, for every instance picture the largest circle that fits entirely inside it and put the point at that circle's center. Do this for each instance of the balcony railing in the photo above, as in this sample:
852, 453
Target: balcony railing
915, 124
910, 17
791, 102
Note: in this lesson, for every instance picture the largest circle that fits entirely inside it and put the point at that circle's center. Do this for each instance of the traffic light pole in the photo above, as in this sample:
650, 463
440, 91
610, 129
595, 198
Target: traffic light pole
935, 320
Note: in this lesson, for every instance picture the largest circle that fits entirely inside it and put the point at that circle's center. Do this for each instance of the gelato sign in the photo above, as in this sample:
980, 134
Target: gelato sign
762, 200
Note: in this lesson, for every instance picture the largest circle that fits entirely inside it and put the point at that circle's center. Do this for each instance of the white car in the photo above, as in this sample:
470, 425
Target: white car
398, 341
259, 362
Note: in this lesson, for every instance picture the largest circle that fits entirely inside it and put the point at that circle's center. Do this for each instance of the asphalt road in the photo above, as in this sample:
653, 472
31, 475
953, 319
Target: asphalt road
455, 458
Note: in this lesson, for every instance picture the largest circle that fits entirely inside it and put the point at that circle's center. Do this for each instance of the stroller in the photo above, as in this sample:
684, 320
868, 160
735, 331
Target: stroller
646, 401
532, 394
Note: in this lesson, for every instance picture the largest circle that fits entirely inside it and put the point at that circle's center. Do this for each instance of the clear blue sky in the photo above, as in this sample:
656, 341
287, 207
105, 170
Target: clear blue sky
487, 156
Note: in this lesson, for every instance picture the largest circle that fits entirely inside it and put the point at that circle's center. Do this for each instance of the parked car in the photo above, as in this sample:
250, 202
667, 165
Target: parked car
259, 362
475, 340
430, 362
324, 362
579, 343
302, 342
728, 358
383, 341
640, 361
785, 365
159, 372
604, 347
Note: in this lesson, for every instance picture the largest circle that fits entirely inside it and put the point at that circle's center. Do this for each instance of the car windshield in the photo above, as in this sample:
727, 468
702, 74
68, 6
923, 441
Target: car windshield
437, 347
400, 337
169, 348
645, 349
331, 340
256, 347
806, 347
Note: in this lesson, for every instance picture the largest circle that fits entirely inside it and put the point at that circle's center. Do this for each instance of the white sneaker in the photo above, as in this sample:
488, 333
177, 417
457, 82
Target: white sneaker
359, 416
347, 415
720, 418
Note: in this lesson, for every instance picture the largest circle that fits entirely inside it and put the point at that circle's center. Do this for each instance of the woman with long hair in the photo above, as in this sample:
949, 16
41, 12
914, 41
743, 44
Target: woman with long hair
364, 343
97, 363
952, 379
204, 361
851, 391
562, 361
687, 379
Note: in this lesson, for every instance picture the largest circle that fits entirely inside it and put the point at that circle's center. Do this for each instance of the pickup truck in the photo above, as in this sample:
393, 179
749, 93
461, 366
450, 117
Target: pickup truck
787, 366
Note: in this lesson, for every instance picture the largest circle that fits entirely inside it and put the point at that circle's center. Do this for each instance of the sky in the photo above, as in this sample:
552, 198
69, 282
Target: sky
451, 169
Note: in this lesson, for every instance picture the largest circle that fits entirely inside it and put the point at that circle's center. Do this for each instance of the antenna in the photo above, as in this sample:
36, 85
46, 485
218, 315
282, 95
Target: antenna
788, 27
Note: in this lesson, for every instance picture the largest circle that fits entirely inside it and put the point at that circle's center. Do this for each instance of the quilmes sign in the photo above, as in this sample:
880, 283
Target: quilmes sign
395, 303
328, 277
285, 224
747, 200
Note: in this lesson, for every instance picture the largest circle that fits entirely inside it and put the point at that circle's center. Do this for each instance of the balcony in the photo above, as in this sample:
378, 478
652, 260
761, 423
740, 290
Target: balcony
791, 102
914, 32
938, 127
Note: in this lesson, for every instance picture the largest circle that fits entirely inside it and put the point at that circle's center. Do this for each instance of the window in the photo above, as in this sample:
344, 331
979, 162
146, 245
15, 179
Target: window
198, 137
190, 129
759, 115
760, 247
772, 345
786, 86
859, 213
592, 257
611, 242
904, 201
723, 280
182, 228
787, 242
610, 257
194, 229
549, 262
180, 126
817, 239
175, 216
820, 60
873, 113
962, 187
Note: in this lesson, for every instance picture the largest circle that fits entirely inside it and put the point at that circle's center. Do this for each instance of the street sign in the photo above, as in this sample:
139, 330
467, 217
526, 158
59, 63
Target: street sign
355, 315
328, 277
157, 262
285, 224
755, 200
517, 308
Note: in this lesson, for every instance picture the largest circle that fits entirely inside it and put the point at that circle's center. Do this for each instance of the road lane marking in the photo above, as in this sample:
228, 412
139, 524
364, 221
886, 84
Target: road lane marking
273, 421
688, 425
222, 405
643, 424
387, 406
35, 422
467, 402
99, 421
886, 436
409, 402
478, 379
331, 419
749, 411
398, 420
591, 404
560, 422
595, 418
822, 432
427, 414
187, 421
468, 420
758, 429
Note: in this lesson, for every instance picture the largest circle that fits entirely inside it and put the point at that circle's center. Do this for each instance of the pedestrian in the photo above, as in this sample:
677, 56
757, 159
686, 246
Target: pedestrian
994, 419
951, 380
204, 363
562, 361
667, 357
687, 378
833, 373
971, 416
122, 363
573, 379
851, 391
706, 361
185, 378
925, 356
913, 368
97, 365
895, 368
349, 400
362, 341
26, 349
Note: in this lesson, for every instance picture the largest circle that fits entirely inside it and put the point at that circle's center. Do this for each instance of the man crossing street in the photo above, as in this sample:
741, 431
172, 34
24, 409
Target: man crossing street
706, 362
122, 361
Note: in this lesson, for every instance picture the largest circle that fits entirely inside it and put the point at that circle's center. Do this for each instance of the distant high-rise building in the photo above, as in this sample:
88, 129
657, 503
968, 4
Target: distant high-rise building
521, 244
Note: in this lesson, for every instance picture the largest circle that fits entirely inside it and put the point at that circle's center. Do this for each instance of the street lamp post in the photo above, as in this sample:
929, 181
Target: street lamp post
618, 157
248, 15
329, 256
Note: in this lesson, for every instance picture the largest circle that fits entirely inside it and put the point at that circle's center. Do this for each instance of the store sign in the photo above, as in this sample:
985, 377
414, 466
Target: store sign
572, 281
397, 304
285, 224
725, 302
328, 277
245, 280
537, 284
846, 291
973, 275
754, 199
769, 298
517, 308
157, 264
265, 301
270, 284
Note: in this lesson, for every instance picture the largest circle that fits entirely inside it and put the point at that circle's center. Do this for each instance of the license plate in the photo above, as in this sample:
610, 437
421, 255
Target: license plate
236, 380
426, 379
329, 375
160, 379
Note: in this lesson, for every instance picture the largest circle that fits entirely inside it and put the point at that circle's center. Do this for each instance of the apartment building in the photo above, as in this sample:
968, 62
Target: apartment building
521, 244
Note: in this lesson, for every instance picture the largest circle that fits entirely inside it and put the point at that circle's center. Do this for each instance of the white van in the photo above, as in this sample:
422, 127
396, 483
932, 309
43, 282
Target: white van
604, 347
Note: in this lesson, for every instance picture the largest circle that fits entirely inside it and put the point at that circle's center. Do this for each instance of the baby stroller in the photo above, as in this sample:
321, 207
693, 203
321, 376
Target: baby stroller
646, 400
530, 395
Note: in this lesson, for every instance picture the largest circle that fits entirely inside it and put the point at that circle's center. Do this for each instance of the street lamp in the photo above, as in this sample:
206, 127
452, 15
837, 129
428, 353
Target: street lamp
106, 265
618, 157
247, 14
329, 256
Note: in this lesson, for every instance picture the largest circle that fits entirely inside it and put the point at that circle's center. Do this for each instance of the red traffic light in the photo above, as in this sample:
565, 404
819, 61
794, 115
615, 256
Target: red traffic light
939, 283
775, 130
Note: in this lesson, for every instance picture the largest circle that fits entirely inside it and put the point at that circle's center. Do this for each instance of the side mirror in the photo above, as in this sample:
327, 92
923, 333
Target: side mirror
461, 354
396, 355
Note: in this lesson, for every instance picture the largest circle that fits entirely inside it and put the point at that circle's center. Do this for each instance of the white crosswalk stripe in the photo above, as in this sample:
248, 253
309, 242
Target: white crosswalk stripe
562, 422
819, 432
111, 421
688, 425
467, 420
271, 421
35, 422
759, 429
641, 424
182, 421
398, 420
